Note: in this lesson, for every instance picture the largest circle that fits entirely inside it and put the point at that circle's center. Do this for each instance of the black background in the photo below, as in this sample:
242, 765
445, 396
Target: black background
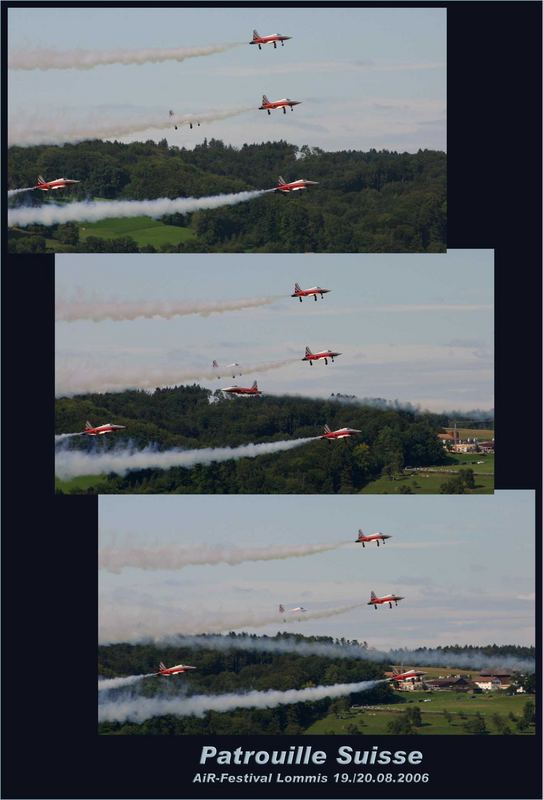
49, 544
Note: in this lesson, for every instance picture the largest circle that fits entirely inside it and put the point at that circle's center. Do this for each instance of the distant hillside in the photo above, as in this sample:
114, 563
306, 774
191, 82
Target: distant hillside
378, 201
183, 417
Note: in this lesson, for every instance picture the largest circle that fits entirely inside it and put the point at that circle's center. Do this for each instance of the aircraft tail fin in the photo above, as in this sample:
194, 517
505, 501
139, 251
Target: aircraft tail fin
281, 181
297, 287
255, 385
373, 595
307, 351
162, 665
88, 425
214, 364
264, 100
281, 609
327, 429
41, 179
256, 35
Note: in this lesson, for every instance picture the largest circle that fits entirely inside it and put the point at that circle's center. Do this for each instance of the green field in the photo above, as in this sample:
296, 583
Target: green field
429, 481
143, 230
81, 483
483, 434
376, 718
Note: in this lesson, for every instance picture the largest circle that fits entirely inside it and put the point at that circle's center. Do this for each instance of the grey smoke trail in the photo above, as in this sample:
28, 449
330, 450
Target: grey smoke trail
410, 658
164, 624
115, 683
45, 59
138, 709
72, 380
70, 463
32, 129
60, 437
93, 211
12, 192
81, 307
116, 557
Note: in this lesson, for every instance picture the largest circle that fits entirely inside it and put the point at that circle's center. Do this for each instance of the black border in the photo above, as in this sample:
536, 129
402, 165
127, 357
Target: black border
50, 746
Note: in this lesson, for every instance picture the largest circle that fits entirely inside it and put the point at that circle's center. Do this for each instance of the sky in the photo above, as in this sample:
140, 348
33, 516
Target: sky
465, 566
368, 78
412, 327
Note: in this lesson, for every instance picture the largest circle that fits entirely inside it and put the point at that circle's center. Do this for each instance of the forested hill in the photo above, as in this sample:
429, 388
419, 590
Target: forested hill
379, 201
184, 417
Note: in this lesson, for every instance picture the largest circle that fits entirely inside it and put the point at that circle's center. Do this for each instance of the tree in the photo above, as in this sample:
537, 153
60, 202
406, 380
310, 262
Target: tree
476, 725
401, 725
468, 477
528, 713
501, 725
453, 486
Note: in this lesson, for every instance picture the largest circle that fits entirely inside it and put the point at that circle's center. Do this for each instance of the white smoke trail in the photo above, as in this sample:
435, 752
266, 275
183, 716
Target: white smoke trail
138, 709
81, 307
116, 557
93, 211
105, 684
164, 624
70, 463
12, 192
474, 659
60, 437
44, 59
72, 380
27, 130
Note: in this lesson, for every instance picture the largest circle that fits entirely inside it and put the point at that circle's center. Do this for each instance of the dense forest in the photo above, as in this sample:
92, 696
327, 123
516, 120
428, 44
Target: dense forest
391, 437
219, 671
379, 201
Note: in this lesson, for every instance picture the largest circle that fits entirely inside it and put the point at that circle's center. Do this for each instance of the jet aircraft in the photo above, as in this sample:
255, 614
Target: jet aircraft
273, 38
315, 290
293, 186
297, 610
169, 671
387, 598
326, 354
49, 186
226, 367
341, 433
372, 537
100, 430
399, 674
269, 105
252, 390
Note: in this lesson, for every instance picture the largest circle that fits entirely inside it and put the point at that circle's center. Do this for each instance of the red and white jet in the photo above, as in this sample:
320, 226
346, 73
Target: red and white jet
293, 186
326, 354
250, 390
226, 367
273, 38
269, 105
387, 598
297, 610
411, 674
100, 430
315, 290
371, 537
191, 123
168, 671
341, 433
49, 186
